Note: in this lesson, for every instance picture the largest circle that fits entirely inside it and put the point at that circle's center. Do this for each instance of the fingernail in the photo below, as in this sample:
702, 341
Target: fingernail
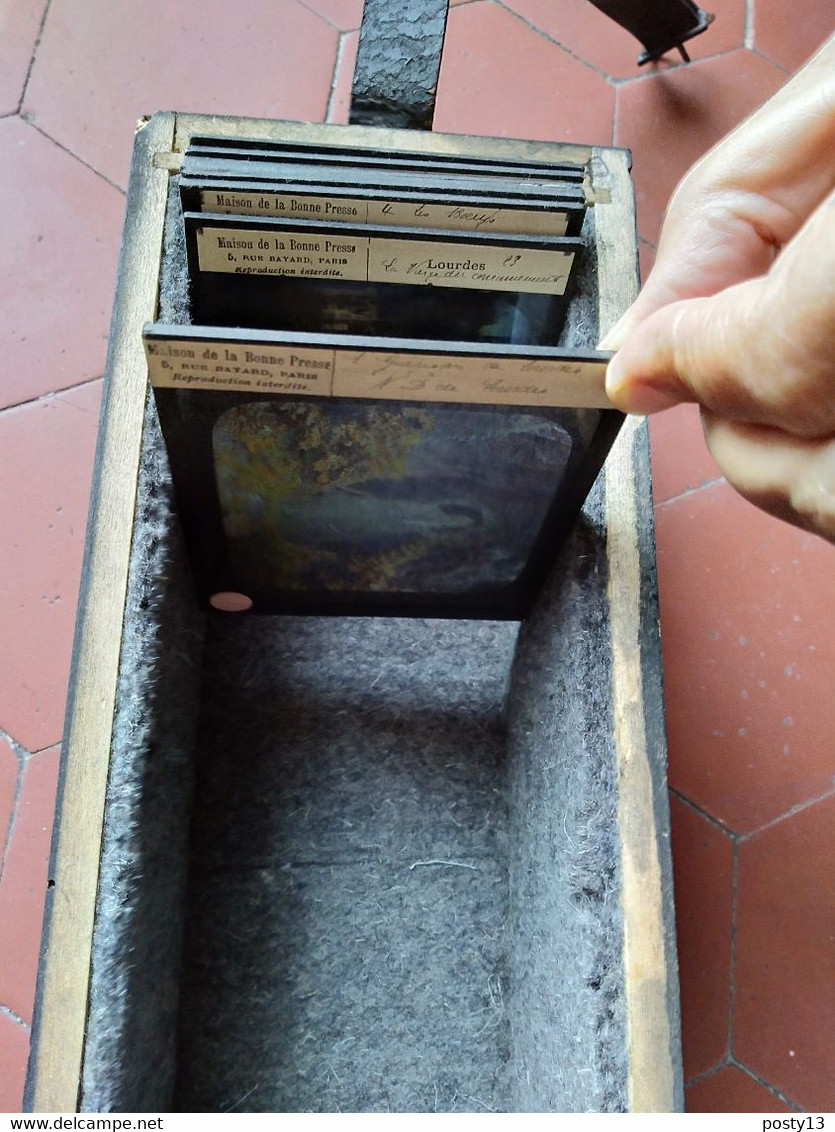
640, 398
614, 375
635, 394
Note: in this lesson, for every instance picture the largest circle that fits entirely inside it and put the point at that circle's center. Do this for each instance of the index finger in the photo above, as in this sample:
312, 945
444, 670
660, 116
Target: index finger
761, 351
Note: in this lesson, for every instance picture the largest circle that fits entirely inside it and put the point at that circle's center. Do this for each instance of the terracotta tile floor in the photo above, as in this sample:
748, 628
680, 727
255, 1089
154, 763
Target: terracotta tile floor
749, 652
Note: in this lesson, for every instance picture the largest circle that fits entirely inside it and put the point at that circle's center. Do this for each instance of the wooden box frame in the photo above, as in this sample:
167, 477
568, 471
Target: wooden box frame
630, 638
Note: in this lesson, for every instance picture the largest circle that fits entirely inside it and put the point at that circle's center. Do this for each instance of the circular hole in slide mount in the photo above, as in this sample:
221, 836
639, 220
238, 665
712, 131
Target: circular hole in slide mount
230, 602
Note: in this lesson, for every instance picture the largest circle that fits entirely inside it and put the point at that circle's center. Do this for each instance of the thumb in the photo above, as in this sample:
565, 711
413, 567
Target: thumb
692, 350
759, 351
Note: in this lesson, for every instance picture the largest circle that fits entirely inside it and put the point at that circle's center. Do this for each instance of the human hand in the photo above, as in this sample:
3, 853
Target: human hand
738, 313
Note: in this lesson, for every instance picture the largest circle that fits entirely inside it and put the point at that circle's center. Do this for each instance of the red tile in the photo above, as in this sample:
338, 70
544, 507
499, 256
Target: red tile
340, 104
14, 1053
20, 23
702, 863
528, 89
101, 66
23, 886
785, 968
731, 1090
343, 14
46, 451
680, 459
586, 32
62, 226
670, 119
748, 657
789, 41
9, 769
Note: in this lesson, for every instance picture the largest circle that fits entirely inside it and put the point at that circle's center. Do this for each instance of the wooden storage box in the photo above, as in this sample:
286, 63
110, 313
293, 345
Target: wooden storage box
335, 864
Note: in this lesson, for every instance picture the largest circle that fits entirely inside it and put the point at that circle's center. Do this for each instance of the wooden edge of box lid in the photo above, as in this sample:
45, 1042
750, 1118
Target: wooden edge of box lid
55, 1061
64, 977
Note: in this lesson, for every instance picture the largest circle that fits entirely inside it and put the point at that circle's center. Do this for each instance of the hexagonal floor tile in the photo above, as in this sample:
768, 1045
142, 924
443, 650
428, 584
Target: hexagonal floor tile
500, 78
702, 863
785, 969
62, 234
671, 118
102, 66
46, 451
20, 21
598, 40
748, 657
789, 41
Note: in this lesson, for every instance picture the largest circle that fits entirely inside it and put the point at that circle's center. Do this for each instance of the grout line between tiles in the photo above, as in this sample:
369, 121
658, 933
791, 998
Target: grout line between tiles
554, 42
748, 33
697, 1078
641, 75
7, 1012
766, 1085
787, 71
733, 947
321, 16
788, 814
749, 834
35, 47
691, 491
654, 71
23, 757
703, 813
674, 65
24, 752
30, 122
18, 790
18, 748
337, 68
48, 397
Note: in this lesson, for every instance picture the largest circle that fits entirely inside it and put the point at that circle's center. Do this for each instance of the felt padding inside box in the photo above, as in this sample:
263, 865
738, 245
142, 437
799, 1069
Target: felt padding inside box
358, 864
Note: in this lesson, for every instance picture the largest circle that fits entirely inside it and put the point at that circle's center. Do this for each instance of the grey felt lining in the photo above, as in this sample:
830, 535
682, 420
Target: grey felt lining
403, 886
129, 1057
567, 1006
137, 945
351, 810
